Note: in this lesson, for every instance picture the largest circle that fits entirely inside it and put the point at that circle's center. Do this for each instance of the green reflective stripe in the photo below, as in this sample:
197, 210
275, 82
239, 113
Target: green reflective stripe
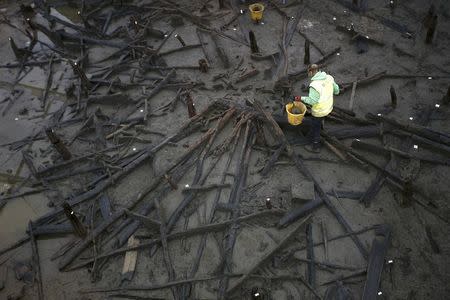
312, 98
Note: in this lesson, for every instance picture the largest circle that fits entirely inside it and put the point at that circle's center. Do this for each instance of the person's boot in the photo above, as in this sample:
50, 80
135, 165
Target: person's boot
313, 147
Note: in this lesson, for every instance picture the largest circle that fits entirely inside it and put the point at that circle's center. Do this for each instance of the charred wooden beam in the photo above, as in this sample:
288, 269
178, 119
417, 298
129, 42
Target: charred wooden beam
393, 96
310, 256
355, 132
387, 150
378, 252
306, 57
415, 129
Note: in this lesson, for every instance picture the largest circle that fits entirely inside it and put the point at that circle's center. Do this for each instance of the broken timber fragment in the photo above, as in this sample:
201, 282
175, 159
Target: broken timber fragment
190, 106
129, 263
378, 252
78, 227
203, 65
58, 144
180, 39
253, 44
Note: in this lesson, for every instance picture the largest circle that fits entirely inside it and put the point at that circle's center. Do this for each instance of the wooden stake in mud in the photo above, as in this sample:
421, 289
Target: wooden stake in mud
268, 203
221, 4
80, 73
58, 144
203, 65
431, 30
253, 44
393, 97
306, 59
78, 227
190, 105
446, 98
180, 39
429, 16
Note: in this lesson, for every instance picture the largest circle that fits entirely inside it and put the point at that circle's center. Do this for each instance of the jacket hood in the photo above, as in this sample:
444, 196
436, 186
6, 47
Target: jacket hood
319, 76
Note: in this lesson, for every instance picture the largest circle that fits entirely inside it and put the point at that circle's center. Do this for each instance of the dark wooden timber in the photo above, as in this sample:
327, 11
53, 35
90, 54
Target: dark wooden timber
378, 252
77, 225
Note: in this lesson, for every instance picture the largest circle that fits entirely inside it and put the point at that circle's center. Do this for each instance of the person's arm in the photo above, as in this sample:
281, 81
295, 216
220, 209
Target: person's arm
312, 98
335, 88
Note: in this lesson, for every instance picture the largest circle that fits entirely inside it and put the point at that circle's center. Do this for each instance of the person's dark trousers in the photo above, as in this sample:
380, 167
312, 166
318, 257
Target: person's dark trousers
316, 124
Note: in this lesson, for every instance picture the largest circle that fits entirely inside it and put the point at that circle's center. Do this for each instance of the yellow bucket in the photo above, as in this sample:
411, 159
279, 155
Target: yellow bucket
256, 11
295, 119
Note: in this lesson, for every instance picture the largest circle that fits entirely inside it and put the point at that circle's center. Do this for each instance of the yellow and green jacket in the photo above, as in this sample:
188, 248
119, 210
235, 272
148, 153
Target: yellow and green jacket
321, 91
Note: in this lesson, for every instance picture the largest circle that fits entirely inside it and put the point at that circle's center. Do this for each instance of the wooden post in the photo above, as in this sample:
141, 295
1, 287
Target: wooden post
78, 227
393, 4
253, 44
180, 39
431, 30
268, 203
190, 105
393, 97
58, 144
306, 58
203, 65
221, 4
446, 98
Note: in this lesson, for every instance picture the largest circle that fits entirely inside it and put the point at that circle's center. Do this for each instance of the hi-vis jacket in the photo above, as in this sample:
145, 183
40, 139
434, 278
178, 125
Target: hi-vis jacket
321, 91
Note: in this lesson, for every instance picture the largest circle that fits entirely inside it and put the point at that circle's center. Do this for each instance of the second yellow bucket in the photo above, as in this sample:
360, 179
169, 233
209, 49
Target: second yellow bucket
295, 119
256, 11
